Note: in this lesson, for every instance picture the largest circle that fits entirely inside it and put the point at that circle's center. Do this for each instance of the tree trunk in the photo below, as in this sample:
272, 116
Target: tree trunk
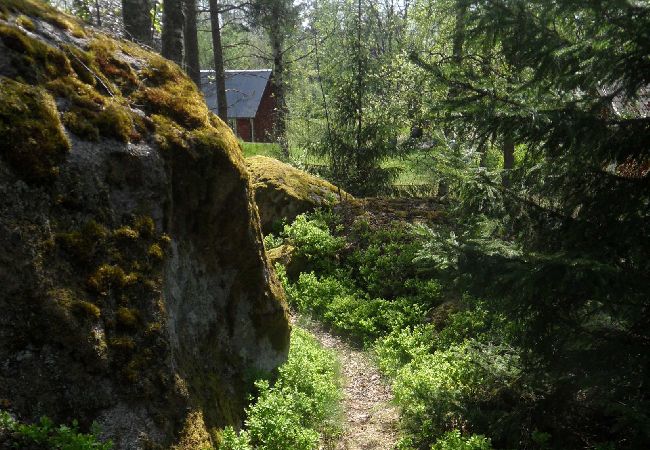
217, 50
98, 14
508, 159
458, 43
137, 20
192, 43
279, 86
172, 31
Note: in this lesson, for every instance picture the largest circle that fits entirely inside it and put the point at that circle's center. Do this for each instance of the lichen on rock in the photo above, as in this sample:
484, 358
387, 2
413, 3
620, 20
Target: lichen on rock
134, 288
282, 192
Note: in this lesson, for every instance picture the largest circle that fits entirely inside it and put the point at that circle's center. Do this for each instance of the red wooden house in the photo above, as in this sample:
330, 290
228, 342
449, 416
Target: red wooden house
251, 103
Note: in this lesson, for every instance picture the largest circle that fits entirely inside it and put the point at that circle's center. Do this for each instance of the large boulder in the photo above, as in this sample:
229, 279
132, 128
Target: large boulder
134, 288
282, 192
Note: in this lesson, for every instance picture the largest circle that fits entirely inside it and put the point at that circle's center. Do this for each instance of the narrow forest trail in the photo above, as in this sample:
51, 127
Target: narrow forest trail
371, 420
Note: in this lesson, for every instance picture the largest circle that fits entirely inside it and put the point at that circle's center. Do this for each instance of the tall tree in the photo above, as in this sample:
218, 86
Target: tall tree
217, 49
191, 43
357, 82
137, 20
172, 31
278, 18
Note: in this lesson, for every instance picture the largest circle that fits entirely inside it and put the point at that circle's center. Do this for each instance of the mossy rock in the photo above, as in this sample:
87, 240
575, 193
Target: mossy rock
134, 288
33, 140
282, 192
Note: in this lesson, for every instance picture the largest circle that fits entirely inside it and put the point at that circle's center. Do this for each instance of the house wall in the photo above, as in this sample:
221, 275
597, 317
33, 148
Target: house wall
264, 120
244, 129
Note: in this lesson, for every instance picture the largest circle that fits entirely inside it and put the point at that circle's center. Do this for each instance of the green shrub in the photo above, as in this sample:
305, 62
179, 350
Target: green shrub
300, 408
272, 241
313, 295
46, 435
469, 386
314, 242
453, 440
231, 440
402, 346
476, 322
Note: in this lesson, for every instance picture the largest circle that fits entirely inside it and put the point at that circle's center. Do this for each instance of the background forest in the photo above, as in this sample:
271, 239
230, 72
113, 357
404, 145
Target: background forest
522, 319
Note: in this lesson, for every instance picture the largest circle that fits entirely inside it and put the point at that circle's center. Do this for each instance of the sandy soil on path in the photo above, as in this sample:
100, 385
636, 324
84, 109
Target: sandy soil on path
371, 421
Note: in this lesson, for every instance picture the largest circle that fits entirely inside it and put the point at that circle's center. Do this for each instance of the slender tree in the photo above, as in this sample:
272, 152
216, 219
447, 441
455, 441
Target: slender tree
279, 19
137, 20
217, 49
191, 43
172, 30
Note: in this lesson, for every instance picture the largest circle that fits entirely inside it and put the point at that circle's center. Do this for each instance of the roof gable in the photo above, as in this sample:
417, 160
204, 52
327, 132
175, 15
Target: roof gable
244, 90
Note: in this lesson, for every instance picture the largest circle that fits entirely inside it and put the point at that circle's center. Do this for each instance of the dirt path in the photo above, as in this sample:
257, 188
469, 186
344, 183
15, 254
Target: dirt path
370, 419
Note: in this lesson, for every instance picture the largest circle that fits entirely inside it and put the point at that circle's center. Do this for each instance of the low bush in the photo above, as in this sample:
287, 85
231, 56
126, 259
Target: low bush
300, 409
454, 440
45, 434
472, 386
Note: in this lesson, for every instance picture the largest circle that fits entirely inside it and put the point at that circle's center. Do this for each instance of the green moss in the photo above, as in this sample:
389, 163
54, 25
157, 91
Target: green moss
42, 10
109, 276
78, 123
66, 299
156, 252
115, 121
33, 59
83, 244
25, 22
104, 51
85, 308
122, 343
92, 115
126, 233
82, 63
127, 317
33, 139
78, 92
145, 226
269, 173
169, 135
168, 91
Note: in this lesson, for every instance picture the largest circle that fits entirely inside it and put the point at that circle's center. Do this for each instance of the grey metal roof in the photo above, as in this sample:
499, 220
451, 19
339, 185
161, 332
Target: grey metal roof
244, 89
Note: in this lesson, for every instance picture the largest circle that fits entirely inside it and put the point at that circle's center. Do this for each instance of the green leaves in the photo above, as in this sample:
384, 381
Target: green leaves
45, 433
300, 408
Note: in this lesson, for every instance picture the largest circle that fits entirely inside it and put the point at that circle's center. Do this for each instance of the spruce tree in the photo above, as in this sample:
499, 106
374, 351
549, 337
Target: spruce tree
568, 262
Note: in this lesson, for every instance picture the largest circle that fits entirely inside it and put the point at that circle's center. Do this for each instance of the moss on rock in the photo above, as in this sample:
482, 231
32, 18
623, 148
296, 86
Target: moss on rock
140, 268
282, 192
33, 140
33, 59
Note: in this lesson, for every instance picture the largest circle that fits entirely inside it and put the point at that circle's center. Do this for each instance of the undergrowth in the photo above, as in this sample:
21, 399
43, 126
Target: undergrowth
45, 434
454, 373
300, 410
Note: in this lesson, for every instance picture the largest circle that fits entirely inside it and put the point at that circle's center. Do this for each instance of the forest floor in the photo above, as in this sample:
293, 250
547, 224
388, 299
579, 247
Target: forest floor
370, 419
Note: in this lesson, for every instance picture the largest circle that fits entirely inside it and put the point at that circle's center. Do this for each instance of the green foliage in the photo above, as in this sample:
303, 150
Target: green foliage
470, 386
384, 261
272, 241
453, 440
300, 408
311, 237
402, 346
46, 434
